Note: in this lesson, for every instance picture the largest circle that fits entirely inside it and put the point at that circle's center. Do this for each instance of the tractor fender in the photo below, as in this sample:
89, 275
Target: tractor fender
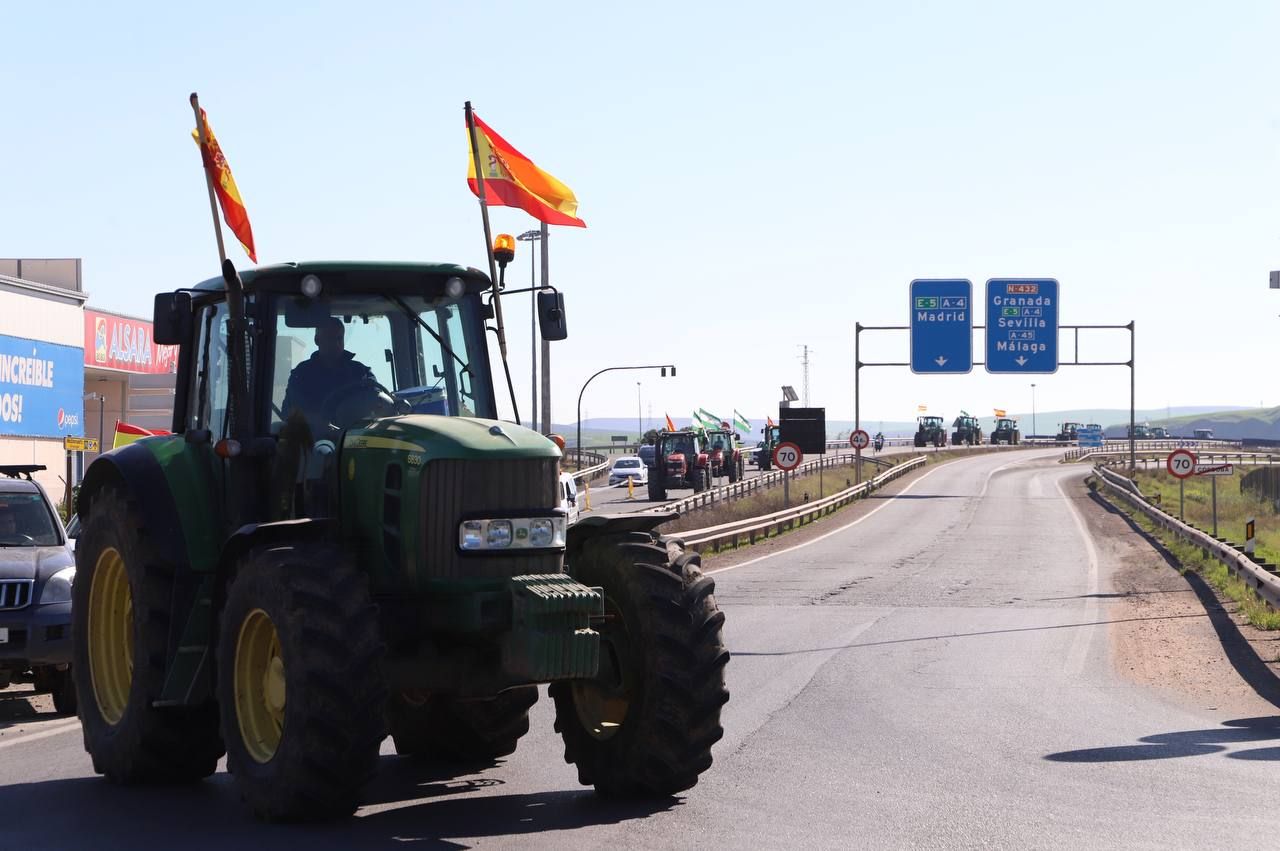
252, 536
135, 470
598, 525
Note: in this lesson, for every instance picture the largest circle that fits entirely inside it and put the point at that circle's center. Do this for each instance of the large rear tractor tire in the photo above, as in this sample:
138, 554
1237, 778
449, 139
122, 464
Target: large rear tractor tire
121, 615
461, 731
701, 478
657, 488
645, 725
300, 684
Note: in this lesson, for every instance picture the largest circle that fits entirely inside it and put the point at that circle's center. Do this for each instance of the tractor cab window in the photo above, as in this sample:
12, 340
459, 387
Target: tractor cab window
347, 358
207, 405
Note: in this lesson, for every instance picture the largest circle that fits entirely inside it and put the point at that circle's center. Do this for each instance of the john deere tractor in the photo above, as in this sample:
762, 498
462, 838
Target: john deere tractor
968, 432
772, 435
930, 432
1006, 431
341, 541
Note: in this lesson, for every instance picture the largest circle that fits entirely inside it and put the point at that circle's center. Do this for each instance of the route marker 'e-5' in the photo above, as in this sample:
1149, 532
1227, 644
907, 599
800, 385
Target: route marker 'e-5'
1181, 463
787, 456
941, 326
1022, 325
859, 440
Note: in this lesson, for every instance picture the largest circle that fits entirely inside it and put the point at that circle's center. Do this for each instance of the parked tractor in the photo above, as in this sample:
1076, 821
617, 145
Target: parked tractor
772, 435
1006, 431
1068, 432
341, 540
725, 456
966, 432
930, 431
680, 460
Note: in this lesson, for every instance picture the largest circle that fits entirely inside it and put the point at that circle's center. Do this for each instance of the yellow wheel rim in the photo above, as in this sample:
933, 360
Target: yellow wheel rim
260, 686
602, 706
111, 636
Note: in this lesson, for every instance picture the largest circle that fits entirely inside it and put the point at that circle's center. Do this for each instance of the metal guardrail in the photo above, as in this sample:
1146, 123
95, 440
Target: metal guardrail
1260, 577
754, 527
1122, 446
587, 473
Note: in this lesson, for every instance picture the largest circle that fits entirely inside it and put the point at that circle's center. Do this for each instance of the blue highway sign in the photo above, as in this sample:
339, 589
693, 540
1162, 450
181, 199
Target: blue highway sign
1022, 325
941, 326
1090, 438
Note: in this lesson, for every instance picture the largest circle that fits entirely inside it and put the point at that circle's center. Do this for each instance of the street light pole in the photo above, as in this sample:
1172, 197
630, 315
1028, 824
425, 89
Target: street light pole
1033, 408
639, 426
662, 366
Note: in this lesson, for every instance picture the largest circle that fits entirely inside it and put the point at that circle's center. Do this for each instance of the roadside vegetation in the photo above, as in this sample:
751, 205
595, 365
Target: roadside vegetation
1190, 558
1234, 508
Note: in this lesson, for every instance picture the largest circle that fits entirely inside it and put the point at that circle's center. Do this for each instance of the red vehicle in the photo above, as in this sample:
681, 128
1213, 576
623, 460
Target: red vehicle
726, 457
679, 461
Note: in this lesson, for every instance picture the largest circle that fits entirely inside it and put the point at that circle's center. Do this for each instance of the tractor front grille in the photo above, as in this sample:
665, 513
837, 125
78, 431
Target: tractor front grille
455, 489
15, 594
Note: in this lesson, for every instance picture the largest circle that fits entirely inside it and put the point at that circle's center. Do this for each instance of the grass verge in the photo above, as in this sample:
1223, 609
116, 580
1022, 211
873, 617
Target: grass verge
1213, 572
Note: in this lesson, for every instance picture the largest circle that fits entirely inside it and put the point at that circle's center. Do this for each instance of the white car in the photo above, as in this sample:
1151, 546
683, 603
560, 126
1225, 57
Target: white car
569, 498
629, 467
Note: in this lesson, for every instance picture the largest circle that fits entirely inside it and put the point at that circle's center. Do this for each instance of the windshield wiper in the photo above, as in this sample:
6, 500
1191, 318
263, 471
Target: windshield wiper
408, 311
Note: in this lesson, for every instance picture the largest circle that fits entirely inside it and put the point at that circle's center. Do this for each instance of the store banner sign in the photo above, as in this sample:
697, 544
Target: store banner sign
117, 342
41, 388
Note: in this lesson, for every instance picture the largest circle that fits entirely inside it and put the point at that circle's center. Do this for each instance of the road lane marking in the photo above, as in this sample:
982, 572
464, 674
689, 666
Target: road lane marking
1080, 644
44, 733
891, 500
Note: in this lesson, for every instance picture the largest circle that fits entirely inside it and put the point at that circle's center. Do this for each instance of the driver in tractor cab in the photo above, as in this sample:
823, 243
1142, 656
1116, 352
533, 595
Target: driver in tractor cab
330, 368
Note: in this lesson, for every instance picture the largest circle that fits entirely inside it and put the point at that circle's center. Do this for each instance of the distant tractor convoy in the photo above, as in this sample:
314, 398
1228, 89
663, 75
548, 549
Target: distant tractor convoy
324, 555
967, 431
1006, 432
930, 431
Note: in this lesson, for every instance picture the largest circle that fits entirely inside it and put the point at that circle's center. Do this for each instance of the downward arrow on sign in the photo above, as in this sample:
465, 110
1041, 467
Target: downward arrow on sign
940, 360
1021, 361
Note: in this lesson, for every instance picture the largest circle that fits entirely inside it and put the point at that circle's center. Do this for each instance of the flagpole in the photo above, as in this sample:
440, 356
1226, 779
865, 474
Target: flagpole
202, 137
488, 250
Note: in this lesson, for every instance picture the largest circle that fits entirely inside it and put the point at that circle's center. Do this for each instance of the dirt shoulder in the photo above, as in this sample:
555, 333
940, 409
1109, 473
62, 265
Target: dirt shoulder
1169, 631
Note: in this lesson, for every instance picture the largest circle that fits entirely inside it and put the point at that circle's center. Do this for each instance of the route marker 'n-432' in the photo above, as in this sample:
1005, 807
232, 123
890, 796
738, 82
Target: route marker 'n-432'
941, 326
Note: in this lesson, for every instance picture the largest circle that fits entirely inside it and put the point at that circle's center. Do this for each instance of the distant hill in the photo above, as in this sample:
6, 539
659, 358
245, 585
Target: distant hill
1232, 423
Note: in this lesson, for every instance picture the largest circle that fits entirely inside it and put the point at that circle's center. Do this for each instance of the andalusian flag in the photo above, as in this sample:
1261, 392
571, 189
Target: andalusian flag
697, 421
671, 426
740, 422
512, 180
224, 186
709, 420
126, 434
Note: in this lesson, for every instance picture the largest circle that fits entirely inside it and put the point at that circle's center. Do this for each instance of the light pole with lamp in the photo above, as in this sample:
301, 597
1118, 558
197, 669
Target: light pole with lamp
1033, 409
533, 236
663, 367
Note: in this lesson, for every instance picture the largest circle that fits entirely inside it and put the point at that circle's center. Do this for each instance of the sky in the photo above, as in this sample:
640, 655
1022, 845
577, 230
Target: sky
755, 177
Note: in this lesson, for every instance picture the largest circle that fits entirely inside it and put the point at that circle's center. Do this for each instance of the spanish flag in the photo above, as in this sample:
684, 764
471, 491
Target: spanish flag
999, 412
224, 186
670, 425
512, 180
127, 433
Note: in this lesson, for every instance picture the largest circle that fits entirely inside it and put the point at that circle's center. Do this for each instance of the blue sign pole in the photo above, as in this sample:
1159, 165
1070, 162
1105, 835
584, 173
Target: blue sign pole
941, 326
1022, 325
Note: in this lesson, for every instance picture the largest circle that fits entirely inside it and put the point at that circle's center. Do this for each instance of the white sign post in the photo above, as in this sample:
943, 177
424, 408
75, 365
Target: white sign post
1213, 471
859, 440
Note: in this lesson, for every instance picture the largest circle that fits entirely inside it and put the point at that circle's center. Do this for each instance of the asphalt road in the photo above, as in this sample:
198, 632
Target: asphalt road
936, 673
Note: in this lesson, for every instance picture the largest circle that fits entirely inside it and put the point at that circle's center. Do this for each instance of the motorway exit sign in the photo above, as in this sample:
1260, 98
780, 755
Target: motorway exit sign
941, 326
1022, 325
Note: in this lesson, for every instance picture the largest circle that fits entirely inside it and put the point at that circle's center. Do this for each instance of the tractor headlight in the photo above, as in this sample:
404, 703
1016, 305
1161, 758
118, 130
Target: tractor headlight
58, 588
516, 533
498, 535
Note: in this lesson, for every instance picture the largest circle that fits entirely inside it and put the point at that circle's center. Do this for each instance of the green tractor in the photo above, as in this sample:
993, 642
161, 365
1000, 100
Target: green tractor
772, 435
930, 432
341, 541
968, 431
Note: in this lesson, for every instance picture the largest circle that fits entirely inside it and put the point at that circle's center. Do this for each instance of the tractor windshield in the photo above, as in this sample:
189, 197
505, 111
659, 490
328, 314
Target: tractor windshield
347, 357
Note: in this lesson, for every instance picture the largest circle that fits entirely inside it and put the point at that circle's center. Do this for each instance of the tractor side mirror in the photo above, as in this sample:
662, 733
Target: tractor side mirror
172, 319
551, 320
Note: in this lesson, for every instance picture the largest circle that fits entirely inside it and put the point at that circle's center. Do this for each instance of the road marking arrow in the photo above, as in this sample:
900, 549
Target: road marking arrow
940, 360
1021, 361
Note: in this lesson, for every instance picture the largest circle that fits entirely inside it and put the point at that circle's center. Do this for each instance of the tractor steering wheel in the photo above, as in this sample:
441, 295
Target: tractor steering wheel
351, 400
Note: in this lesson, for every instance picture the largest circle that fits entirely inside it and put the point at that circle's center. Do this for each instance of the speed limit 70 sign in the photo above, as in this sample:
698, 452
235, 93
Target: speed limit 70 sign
787, 456
1181, 463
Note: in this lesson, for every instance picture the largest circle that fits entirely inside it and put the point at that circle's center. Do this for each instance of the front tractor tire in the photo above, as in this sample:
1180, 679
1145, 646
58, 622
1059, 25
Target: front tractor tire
657, 487
299, 683
121, 615
645, 725
460, 731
